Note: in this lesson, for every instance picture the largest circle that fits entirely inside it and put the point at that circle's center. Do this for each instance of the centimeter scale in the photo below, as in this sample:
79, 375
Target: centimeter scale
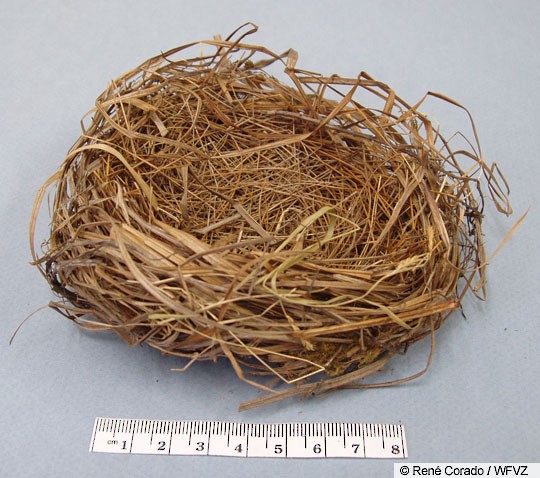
276, 440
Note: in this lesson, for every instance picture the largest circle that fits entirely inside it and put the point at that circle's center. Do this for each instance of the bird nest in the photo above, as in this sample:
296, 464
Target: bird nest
212, 210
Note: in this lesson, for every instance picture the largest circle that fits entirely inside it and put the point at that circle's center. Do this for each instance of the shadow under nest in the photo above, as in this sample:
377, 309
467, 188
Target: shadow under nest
210, 209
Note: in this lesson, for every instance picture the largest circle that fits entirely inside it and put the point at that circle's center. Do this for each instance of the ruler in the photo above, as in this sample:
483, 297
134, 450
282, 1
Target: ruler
275, 440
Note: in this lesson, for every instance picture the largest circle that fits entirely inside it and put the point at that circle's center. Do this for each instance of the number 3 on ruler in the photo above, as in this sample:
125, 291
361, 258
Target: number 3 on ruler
201, 446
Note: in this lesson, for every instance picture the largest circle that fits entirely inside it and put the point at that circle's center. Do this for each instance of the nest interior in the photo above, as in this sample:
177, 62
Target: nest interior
212, 210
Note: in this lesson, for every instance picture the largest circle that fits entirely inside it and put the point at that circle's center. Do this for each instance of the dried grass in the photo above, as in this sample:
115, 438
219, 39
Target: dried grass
211, 210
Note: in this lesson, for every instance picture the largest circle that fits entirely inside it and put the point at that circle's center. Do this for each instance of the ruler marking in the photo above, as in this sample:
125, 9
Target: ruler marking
207, 432
402, 441
131, 444
363, 438
286, 447
325, 450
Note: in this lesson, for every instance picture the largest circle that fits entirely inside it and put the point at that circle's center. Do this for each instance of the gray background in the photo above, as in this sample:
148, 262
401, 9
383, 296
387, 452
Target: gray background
478, 402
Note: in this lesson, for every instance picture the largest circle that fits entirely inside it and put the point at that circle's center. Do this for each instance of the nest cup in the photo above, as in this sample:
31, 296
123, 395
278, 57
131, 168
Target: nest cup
211, 210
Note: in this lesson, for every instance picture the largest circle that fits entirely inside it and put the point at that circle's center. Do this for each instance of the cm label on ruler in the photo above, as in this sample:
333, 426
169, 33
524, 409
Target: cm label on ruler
278, 440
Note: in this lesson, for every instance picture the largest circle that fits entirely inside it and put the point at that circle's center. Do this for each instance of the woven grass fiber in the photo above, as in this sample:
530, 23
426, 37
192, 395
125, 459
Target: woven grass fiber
212, 210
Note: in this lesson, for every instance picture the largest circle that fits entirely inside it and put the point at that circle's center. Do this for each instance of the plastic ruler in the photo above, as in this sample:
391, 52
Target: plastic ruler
275, 440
